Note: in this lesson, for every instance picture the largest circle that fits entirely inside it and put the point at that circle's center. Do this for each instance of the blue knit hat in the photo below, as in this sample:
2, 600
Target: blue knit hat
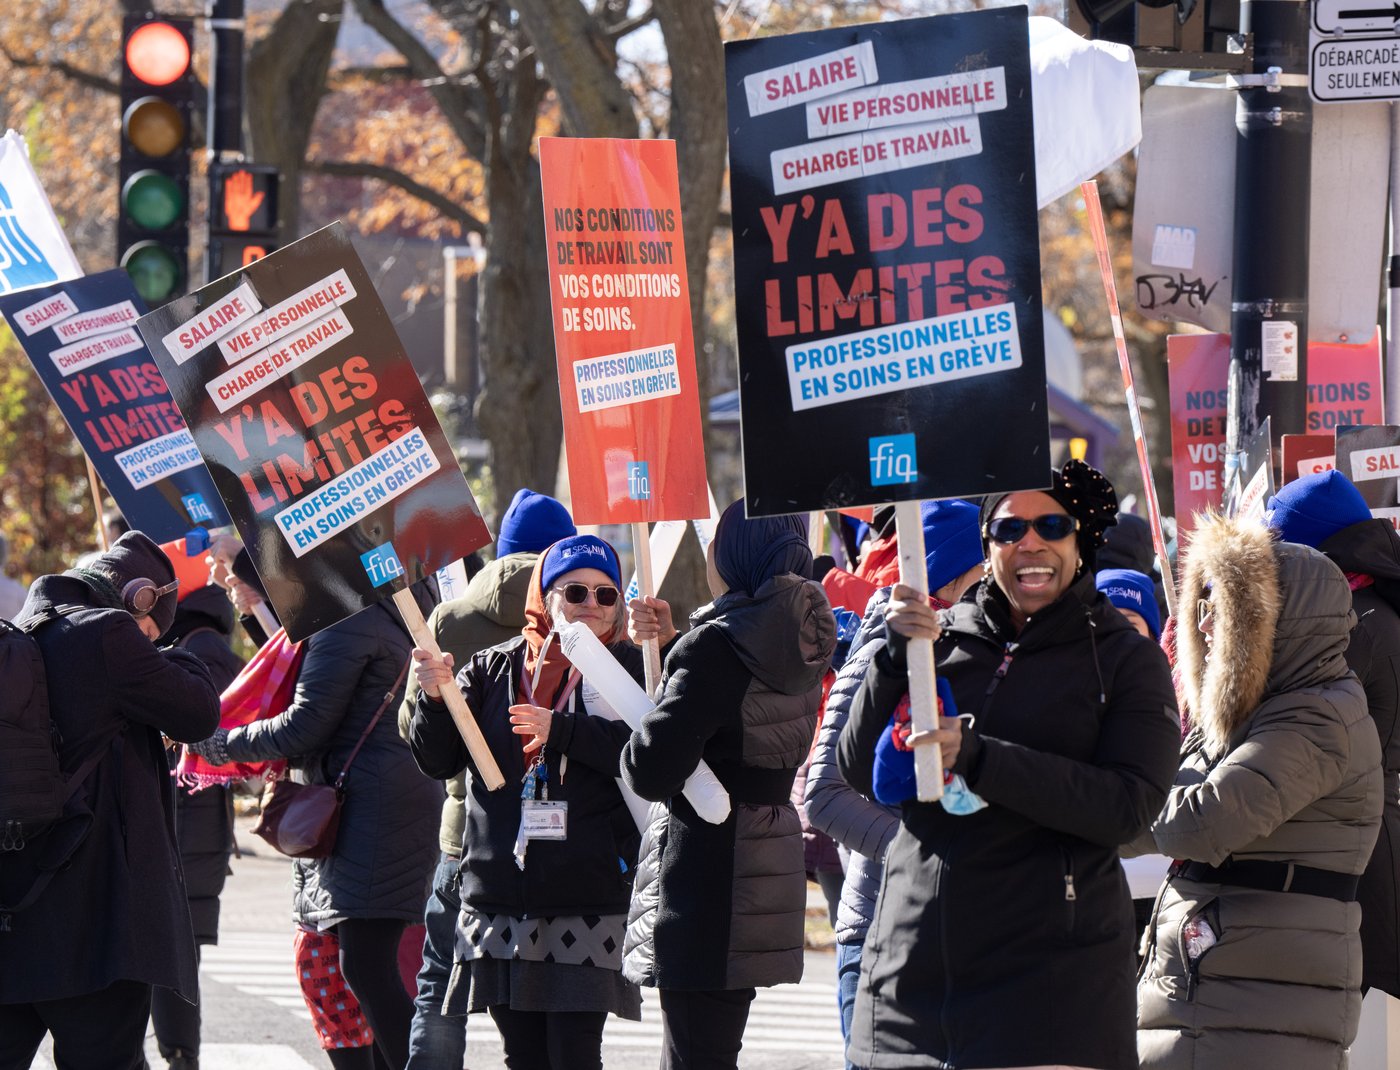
1312, 509
952, 541
532, 523
1127, 588
579, 551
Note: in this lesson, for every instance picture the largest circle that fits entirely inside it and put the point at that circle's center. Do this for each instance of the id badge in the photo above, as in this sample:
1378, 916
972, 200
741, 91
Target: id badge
541, 820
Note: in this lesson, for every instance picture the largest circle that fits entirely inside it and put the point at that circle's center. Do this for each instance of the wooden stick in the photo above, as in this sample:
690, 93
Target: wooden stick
646, 587
1094, 209
923, 696
96, 487
263, 613
814, 532
486, 768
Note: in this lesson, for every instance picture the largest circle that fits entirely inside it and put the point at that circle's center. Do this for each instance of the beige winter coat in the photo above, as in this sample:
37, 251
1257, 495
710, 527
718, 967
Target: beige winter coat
1282, 764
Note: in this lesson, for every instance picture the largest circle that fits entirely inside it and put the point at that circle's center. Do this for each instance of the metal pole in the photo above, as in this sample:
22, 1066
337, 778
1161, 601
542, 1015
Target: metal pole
451, 372
225, 115
1273, 179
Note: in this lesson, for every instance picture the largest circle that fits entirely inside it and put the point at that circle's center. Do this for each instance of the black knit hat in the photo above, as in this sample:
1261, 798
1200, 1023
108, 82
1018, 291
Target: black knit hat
132, 557
1085, 493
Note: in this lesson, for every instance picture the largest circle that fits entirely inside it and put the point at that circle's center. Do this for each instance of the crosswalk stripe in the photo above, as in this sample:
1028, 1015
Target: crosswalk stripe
788, 1018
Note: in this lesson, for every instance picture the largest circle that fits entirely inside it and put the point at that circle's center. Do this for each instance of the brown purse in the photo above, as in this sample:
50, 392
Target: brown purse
301, 820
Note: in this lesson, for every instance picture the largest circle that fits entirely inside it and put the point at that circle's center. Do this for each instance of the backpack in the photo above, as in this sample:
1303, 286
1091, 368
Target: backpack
33, 789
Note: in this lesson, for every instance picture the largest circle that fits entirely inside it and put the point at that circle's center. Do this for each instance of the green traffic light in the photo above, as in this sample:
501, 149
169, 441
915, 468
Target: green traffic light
153, 269
152, 200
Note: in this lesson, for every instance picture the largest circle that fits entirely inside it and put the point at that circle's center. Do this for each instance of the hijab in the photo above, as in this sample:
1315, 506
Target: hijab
749, 553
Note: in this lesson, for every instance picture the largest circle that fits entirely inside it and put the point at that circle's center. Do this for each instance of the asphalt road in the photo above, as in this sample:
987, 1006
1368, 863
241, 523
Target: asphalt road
254, 1017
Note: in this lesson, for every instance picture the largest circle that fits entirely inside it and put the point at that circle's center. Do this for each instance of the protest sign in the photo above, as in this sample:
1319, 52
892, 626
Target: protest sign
622, 330
1306, 455
887, 268
1370, 457
316, 430
81, 338
33, 248
1344, 385
1253, 481
1197, 368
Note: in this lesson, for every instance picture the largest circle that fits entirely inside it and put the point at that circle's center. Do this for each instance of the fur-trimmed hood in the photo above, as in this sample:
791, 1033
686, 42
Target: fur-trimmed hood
1282, 618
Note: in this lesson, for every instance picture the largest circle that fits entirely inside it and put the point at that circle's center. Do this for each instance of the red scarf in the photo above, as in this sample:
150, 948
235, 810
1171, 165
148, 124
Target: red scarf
263, 689
537, 628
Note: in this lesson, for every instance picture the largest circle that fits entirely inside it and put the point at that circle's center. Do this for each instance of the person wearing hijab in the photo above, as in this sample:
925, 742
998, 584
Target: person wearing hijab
718, 909
539, 937
1003, 935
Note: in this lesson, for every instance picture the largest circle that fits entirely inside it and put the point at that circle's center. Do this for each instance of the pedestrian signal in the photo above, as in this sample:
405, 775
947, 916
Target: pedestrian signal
157, 81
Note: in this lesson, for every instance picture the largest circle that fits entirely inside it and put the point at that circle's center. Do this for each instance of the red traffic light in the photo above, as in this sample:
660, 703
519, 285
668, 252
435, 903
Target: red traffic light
157, 53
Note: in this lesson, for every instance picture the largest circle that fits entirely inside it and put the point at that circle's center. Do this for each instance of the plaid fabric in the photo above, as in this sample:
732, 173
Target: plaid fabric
263, 689
335, 1012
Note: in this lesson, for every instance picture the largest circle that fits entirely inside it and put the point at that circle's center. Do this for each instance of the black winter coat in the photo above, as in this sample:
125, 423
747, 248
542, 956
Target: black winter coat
1005, 937
117, 910
721, 906
589, 872
387, 843
204, 819
1373, 547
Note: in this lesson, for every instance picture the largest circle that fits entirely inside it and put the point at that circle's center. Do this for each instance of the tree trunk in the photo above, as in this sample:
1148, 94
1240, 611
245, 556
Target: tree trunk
581, 64
286, 79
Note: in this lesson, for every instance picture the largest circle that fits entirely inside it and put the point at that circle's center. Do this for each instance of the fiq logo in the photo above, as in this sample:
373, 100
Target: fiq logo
893, 459
382, 564
638, 481
196, 507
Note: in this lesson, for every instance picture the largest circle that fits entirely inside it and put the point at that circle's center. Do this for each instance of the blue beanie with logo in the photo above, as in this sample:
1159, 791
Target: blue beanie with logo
1312, 509
579, 551
1127, 588
952, 541
533, 522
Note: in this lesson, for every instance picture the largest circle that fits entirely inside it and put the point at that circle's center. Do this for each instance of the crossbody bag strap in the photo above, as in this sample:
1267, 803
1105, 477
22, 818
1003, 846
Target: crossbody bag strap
388, 698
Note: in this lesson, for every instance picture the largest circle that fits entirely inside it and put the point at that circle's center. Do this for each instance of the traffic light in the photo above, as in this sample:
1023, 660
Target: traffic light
1187, 34
242, 216
157, 80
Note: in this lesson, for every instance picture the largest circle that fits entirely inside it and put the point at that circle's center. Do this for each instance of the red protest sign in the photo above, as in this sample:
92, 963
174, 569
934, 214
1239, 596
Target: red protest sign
1197, 370
1306, 455
622, 330
1344, 385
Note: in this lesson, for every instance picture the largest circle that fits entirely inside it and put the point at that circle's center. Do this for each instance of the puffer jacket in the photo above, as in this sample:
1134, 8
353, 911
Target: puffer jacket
204, 819
1004, 937
491, 611
861, 825
387, 843
1282, 765
1372, 548
721, 906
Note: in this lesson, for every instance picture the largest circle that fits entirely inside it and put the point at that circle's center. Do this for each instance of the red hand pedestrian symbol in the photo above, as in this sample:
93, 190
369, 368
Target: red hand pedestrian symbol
240, 201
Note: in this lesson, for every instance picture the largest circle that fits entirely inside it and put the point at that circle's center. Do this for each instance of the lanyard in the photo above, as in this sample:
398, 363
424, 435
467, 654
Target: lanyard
528, 684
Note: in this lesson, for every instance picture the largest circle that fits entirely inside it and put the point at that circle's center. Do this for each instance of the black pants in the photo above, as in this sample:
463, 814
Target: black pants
104, 1030
703, 1030
369, 962
553, 1040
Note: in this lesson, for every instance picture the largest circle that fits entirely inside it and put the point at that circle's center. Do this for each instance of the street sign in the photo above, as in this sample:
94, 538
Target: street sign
1354, 16
1354, 68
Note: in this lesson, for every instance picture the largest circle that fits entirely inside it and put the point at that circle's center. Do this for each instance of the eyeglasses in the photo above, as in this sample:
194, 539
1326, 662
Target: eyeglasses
1052, 527
577, 593
1204, 608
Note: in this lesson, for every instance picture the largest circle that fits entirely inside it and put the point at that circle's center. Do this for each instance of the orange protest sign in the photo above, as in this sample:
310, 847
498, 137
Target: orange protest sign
622, 330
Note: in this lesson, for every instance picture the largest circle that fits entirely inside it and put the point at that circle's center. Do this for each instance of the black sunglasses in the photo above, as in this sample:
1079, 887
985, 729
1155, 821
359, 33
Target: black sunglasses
577, 593
1052, 527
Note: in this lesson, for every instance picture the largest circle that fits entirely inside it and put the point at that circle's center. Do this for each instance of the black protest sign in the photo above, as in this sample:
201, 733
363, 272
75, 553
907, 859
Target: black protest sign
316, 429
82, 340
887, 263
1369, 455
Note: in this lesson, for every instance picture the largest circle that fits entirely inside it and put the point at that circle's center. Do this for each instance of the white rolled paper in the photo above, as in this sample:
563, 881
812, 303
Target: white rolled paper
702, 788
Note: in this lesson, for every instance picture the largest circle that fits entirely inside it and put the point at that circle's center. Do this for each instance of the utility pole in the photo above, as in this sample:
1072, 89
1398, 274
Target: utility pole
1273, 181
224, 119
